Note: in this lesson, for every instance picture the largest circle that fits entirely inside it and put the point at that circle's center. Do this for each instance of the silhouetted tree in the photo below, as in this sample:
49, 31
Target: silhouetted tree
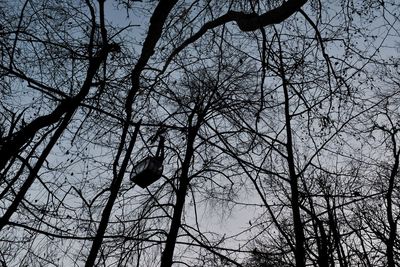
281, 111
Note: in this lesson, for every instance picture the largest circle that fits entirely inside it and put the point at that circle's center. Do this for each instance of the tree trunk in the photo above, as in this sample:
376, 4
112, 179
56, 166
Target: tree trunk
34, 172
105, 217
11, 146
168, 253
300, 253
389, 209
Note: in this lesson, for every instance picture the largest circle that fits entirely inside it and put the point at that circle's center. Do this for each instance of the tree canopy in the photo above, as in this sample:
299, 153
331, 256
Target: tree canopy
276, 124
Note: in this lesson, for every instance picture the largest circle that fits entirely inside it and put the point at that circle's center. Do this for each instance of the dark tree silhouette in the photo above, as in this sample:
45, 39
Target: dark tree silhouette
279, 119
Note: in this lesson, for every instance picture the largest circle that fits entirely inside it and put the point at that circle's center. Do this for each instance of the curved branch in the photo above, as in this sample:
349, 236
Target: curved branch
245, 22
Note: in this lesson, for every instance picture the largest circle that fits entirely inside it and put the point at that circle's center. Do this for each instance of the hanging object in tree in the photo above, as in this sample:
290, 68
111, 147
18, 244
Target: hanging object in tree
150, 169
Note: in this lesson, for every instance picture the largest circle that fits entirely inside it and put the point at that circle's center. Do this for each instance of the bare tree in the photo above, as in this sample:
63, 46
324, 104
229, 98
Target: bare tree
275, 110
